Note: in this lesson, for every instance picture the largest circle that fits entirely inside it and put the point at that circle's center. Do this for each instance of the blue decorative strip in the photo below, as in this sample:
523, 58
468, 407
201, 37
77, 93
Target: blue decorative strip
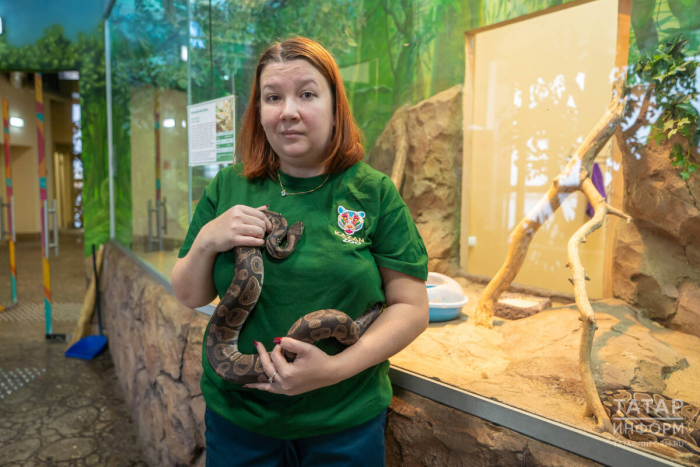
42, 182
40, 116
7, 130
157, 125
158, 184
14, 289
8, 182
47, 316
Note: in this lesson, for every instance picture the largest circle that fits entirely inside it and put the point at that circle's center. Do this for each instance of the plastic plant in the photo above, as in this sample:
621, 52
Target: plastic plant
673, 76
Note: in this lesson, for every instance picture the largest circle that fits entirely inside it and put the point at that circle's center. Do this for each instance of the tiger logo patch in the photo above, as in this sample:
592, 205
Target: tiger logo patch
350, 221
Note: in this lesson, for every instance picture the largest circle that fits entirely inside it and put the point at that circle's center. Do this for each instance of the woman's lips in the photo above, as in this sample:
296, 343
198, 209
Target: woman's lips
291, 134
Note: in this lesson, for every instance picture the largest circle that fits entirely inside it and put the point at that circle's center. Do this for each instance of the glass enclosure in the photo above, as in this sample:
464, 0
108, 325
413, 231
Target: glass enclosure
516, 137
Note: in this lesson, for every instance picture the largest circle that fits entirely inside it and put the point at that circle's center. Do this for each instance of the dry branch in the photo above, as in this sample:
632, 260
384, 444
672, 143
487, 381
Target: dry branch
579, 278
576, 171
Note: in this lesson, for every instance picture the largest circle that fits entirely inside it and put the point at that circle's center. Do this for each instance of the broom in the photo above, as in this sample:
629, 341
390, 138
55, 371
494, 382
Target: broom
85, 321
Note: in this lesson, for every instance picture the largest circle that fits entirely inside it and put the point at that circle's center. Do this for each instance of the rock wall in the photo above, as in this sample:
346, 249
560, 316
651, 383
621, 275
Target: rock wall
657, 257
433, 176
156, 344
421, 433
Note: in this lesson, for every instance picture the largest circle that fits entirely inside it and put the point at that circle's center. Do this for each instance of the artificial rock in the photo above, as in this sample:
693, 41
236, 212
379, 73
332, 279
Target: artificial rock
433, 174
657, 257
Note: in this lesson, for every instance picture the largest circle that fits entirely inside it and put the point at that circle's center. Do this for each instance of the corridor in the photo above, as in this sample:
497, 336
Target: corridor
56, 411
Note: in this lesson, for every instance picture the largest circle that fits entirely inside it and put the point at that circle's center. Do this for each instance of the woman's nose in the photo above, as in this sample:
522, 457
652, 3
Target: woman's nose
289, 111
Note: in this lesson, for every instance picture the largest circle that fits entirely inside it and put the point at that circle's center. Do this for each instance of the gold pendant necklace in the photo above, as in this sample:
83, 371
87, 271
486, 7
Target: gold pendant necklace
284, 192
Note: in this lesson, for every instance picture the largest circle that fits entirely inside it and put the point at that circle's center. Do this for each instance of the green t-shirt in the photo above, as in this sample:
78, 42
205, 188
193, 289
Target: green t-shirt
332, 267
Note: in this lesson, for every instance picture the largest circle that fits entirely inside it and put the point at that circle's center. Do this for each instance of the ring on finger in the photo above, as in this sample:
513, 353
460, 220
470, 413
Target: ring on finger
272, 378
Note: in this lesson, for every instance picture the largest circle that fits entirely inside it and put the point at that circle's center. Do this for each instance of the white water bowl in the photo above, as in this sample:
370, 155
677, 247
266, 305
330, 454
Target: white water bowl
445, 297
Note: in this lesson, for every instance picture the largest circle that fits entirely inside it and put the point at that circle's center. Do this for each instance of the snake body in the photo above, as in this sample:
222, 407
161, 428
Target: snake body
650, 417
241, 297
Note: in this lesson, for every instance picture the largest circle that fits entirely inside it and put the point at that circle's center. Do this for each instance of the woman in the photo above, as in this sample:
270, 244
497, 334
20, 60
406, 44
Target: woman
301, 150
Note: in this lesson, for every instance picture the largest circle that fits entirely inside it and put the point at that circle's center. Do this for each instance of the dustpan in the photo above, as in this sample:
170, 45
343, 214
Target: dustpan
89, 347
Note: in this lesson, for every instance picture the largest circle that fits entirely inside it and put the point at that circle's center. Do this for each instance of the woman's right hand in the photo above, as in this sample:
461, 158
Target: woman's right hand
239, 226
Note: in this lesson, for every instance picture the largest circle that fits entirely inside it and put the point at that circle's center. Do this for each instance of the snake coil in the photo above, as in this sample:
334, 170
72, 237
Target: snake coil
241, 297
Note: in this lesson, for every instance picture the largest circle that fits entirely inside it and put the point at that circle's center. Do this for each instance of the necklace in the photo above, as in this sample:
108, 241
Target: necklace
284, 192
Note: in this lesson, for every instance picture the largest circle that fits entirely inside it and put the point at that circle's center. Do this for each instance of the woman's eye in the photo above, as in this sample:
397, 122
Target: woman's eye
307, 94
271, 98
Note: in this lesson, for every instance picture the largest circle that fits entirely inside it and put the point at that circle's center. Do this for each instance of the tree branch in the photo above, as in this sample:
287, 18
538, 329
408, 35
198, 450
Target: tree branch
399, 26
388, 41
577, 170
579, 278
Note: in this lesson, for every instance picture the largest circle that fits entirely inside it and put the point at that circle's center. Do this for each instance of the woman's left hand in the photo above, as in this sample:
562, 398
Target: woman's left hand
311, 369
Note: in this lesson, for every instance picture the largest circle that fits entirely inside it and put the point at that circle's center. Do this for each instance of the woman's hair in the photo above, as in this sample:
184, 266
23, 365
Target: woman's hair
345, 147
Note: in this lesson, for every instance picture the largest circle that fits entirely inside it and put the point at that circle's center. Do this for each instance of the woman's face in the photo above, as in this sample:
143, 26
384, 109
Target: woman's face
296, 111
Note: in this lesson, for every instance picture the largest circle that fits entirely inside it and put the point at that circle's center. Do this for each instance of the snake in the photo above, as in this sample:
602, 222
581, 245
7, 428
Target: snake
651, 417
240, 300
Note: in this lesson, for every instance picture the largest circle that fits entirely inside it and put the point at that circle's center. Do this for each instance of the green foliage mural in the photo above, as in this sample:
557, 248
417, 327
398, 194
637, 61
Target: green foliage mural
655, 22
391, 53
54, 52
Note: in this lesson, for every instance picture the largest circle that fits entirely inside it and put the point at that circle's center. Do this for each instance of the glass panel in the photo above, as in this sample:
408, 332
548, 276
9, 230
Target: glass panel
528, 121
489, 101
149, 98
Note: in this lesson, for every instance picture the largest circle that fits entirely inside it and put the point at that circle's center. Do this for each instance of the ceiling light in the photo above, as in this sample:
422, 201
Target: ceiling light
169, 122
16, 121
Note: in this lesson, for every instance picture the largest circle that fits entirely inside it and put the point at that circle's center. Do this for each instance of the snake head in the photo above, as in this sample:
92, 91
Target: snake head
279, 233
296, 229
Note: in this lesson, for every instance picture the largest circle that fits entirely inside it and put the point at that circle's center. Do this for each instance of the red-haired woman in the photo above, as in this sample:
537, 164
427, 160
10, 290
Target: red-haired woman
301, 156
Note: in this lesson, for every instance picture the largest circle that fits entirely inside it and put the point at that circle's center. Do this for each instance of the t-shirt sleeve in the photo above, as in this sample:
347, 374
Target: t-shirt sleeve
396, 243
203, 213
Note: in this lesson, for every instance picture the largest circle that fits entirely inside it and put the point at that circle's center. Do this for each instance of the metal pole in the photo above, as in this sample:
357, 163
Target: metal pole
46, 230
55, 227
12, 218
189, 102
110, 137
164, 203
158, 229
150, 230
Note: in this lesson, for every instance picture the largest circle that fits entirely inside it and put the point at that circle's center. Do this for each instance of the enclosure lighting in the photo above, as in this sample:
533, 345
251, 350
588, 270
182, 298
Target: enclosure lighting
69, 75
169, 122
0, 25
183, 53
184, 124
16, 121
225, 77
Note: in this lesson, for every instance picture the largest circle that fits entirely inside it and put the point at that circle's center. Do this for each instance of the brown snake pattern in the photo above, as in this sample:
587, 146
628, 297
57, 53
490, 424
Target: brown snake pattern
241, 297
650, 417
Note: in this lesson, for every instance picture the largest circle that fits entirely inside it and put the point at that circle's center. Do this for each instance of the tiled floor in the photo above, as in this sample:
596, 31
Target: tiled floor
57, 411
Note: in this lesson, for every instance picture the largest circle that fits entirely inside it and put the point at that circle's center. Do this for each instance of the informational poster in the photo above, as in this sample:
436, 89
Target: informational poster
210, 131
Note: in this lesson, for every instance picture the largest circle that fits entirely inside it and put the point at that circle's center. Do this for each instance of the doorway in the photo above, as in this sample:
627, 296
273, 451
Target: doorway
44, 118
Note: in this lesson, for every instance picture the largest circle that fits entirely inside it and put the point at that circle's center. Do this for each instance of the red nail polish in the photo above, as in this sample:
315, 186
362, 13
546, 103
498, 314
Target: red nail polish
245, 386
277, 340
255, 343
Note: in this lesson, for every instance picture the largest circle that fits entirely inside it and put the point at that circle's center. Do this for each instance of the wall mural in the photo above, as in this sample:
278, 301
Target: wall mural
391, 53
